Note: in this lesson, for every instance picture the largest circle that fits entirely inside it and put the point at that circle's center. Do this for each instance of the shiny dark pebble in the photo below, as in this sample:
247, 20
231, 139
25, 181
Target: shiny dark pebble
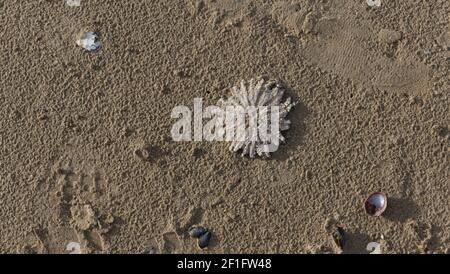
197, 231
339, 237
376, 204
203, 241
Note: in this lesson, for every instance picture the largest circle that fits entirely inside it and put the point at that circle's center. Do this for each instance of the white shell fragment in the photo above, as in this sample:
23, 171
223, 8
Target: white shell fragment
258, 93
374, 3
89, 41
74, 248
73, 3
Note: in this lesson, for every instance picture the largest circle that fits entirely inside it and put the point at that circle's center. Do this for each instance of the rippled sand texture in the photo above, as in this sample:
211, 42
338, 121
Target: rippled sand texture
86, 151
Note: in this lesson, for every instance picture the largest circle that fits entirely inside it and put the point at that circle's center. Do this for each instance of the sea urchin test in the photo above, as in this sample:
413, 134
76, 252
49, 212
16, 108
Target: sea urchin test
266, 97
251, 119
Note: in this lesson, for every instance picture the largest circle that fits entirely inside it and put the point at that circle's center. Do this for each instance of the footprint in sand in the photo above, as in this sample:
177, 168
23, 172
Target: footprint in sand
348, 47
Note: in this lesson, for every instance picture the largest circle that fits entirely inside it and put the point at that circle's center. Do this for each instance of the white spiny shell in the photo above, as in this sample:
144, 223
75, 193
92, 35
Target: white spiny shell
258, 93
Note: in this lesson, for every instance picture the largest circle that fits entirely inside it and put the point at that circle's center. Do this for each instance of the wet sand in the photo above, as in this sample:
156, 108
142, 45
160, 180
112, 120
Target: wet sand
87, 155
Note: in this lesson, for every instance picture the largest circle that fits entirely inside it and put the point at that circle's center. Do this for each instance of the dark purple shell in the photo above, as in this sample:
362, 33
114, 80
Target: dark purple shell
203, 241
376, 204
197, 231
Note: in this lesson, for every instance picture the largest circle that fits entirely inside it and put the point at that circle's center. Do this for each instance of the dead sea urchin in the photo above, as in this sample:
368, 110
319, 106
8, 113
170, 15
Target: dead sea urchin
266, 97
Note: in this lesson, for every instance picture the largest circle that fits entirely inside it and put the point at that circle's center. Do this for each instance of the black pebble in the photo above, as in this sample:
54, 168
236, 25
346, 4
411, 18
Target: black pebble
203, 241
197, 232
339, 237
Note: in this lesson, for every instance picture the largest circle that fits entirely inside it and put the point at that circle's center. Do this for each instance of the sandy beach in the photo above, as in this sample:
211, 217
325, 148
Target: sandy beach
88, 163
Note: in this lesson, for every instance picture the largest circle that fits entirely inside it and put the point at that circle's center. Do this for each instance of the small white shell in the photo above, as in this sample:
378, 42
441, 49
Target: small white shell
89, 41
73, 3
374, 3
